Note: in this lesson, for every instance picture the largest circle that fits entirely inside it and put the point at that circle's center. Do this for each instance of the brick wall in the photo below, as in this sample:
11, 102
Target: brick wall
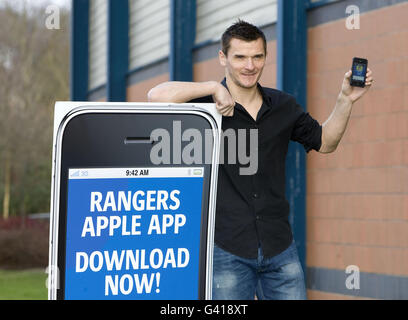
357, 197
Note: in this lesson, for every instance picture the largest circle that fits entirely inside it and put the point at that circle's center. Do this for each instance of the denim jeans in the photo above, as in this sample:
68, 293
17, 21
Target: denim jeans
277, 278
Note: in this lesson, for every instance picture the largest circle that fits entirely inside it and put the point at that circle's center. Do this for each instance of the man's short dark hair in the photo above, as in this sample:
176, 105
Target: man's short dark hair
241, 30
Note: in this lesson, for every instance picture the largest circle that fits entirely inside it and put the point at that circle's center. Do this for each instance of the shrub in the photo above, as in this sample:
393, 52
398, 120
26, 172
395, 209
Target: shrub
23, 243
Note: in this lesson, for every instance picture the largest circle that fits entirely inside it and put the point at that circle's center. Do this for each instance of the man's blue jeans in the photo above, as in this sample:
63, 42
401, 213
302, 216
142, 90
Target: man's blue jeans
277, 278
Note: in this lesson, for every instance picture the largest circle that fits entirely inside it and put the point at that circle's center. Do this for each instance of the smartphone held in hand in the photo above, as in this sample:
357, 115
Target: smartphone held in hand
359, 71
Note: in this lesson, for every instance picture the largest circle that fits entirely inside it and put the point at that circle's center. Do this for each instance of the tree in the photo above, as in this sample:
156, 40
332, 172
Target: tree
34, 64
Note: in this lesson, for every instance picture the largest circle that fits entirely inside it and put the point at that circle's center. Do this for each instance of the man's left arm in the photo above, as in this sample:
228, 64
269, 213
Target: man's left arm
333, 128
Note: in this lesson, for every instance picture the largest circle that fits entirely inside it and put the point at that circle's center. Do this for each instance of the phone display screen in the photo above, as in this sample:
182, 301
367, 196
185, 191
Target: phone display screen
133, 233
359, 71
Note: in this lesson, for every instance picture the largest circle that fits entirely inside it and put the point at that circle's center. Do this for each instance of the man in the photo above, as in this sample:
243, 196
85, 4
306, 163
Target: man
254, 248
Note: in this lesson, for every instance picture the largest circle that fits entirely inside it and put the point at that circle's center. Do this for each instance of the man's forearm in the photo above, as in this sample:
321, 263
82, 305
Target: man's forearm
179, 92
335, 125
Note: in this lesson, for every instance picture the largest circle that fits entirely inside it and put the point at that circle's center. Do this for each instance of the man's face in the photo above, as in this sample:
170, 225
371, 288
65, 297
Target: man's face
244, 61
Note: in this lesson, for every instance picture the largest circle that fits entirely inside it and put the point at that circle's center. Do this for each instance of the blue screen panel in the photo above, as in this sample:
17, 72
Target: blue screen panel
133, 233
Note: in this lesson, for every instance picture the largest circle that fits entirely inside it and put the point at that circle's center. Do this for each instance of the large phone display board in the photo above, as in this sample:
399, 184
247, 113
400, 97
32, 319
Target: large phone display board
132, 232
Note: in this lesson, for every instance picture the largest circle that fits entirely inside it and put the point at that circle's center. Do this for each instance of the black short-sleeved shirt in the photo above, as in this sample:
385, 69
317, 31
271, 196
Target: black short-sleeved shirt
252, 210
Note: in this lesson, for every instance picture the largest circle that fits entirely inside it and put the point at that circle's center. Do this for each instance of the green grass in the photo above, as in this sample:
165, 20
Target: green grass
23, 285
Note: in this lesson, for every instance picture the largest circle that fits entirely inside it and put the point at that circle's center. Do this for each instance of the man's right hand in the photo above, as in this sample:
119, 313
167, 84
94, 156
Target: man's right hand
223, 101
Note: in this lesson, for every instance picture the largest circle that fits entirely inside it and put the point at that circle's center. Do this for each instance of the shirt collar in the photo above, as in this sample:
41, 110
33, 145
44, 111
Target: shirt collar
265, 98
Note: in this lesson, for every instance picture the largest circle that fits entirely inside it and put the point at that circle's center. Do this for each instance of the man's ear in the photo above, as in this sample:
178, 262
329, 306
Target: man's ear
222, 58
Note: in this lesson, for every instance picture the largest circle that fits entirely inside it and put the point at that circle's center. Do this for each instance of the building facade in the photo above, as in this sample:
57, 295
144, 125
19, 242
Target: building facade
348, 208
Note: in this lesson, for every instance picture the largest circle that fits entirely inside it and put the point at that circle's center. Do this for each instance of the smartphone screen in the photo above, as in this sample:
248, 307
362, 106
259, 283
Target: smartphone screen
359, 70
129, 228
133, 209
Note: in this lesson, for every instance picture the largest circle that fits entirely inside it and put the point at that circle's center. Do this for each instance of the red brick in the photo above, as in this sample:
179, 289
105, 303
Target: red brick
138, 92
401, 122
334, 159
363, 180
385, 20
351, 134
383, 153
315, 38
333, 55
377, 49
312, 182
353, 209
321, 295
371, 233
397, 233
398, 15
395, 208
383, 100
346, 232
329, 31
316, 106
324, 255
323, 229
380, 69
271, 49
398, 205
393, 74
345, 55
359, 154
396, 45
311, 229
405, 206
388, 260
371, 206
405, 152
405, 94
404, 68
316, 160
394, 151
321, 205
379, 127
334, 82
315, 62
381, 261
345, 36
316, 86
268, 78
332, 206
362, 232
401, 260
396, 97
208, 70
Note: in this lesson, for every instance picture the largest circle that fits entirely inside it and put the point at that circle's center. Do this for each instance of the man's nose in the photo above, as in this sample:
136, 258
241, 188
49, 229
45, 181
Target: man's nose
249, 64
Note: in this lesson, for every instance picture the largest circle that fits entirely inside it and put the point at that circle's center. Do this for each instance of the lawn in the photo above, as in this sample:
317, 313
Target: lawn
23, 284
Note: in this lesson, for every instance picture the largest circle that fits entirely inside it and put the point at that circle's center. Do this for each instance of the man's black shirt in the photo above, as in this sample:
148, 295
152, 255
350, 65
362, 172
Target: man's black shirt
252, 210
